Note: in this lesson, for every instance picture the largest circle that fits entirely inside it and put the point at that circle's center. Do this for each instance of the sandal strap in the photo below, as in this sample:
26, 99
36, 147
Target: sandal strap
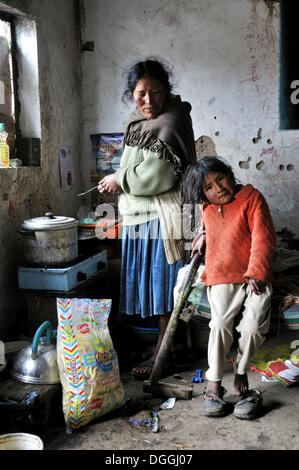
214, 396
254, 395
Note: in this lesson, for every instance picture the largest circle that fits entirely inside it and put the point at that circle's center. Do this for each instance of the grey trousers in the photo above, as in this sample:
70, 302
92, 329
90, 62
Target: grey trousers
226, 301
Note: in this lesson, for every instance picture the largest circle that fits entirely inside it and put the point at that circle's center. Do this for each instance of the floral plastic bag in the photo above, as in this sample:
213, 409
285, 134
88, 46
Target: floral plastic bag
87, 361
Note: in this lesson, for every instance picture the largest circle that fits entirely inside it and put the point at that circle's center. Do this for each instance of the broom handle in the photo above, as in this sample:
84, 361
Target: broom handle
173, 321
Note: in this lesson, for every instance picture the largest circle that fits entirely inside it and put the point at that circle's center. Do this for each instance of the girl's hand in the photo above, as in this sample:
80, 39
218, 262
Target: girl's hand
257, 287
198, 244
108, 184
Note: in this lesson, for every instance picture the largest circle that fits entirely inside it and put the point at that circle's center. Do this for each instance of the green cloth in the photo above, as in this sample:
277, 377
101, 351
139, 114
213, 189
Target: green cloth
141, 176
263, 356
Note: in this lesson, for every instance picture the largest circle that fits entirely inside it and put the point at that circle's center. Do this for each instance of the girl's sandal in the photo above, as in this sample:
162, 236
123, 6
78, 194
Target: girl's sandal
216, 407
250, 406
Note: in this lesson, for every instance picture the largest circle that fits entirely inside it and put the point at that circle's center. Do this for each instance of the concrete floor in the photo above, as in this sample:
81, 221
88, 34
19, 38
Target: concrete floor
183, 428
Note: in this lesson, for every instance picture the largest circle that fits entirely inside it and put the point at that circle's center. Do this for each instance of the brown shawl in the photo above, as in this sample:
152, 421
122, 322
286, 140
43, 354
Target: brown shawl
170, 134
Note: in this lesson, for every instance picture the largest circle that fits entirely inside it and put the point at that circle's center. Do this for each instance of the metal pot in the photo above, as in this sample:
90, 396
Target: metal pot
50, 240
37, 363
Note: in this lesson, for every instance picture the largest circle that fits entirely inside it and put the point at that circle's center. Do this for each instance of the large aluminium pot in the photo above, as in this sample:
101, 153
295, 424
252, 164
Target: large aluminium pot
50, 240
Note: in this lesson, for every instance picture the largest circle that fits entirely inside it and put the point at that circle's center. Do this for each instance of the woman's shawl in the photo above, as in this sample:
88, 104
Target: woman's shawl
170, 134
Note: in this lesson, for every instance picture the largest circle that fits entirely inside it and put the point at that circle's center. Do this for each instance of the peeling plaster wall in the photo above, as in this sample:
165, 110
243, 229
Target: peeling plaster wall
31, 191
225, 61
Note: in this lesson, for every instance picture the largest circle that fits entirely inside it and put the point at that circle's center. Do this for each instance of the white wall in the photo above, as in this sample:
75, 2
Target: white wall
225, 57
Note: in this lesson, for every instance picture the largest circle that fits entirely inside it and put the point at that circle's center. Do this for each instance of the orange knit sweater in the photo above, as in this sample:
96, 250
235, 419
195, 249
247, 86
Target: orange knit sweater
240, 239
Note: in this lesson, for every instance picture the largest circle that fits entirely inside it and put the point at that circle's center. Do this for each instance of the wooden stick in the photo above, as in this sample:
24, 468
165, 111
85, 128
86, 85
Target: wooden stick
164, 389
173, 321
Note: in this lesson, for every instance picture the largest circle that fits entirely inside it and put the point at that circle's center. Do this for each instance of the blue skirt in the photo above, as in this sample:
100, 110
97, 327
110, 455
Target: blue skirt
146, 279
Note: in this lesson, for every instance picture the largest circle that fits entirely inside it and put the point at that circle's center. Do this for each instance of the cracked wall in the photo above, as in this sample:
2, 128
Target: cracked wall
225, 60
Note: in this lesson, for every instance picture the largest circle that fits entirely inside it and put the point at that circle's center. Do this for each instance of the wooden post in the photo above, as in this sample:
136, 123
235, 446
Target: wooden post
173, 321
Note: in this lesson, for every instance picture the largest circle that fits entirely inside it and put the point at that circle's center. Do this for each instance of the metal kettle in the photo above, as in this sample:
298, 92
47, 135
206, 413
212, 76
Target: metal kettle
37, 363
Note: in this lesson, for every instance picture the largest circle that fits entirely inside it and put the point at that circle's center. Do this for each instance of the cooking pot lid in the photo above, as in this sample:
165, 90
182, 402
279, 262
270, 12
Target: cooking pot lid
50, 222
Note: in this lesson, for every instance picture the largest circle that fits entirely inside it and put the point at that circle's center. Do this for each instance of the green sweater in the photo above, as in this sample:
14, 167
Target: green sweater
141, 176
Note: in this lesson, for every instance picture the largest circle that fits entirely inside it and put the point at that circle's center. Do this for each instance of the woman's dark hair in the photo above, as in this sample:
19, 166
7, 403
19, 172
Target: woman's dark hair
195, 176
150, 68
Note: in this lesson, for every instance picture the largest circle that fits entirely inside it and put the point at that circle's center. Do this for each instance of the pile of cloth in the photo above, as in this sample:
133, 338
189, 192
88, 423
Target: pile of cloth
284, 369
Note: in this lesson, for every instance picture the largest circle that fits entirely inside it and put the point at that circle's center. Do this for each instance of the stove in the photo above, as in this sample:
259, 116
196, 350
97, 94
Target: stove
62, 278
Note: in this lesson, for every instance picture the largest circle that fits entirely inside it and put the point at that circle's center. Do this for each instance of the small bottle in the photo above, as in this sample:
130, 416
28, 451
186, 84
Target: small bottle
4, 148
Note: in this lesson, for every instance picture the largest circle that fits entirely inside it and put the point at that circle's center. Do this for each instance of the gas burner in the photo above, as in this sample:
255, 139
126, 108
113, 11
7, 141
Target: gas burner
81, 257
62, 277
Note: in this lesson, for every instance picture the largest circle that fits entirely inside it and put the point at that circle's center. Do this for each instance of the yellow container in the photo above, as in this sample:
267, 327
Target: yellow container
4, 148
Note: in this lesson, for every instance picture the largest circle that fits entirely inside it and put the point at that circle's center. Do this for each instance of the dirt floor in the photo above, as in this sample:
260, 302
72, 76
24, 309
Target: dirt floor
183, 428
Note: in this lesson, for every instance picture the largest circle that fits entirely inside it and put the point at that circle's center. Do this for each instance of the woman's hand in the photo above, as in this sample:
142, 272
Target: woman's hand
108, 184
257, 287
198, 244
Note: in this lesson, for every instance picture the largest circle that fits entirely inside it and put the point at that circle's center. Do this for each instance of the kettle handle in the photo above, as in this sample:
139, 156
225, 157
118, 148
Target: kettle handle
46, 325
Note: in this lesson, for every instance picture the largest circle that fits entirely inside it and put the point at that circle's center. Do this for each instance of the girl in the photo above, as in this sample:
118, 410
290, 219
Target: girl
238, 236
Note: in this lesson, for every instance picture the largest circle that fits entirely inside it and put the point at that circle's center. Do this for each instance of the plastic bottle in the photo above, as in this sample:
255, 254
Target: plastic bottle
4, 148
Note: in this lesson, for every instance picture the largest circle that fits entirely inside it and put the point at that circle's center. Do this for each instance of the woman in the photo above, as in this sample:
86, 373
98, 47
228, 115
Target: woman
158, 146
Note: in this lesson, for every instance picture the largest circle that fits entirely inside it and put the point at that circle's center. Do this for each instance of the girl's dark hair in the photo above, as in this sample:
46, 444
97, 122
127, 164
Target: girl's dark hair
195, 176
150, 68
